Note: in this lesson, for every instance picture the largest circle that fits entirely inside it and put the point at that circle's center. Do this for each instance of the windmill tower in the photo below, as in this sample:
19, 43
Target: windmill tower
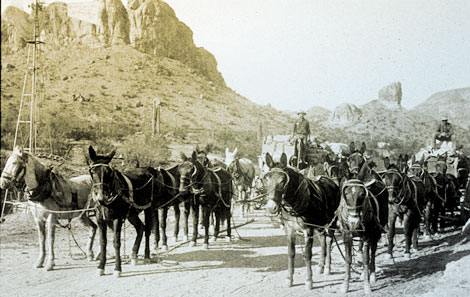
26, 133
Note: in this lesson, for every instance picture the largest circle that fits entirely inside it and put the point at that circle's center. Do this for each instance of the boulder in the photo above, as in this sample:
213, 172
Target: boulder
390, 95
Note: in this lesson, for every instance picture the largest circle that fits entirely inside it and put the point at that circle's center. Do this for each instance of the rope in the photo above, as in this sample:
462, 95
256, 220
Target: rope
51, 211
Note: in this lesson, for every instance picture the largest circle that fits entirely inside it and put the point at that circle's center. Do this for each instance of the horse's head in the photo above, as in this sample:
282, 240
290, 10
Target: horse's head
441, 164
275, 182
354, 196
230, 157
402, 163
103, 177
393, 180
191, 172
15, 169
356, 159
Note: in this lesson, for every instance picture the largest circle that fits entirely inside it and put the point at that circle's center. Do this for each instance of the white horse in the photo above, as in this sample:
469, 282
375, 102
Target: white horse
51, 197
243, 173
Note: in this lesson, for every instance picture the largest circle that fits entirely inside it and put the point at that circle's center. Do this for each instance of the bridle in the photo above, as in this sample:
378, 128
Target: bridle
19, 173
105, 185
358, 166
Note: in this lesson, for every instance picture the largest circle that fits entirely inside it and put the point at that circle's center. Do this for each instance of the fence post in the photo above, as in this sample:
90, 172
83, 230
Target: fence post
156, 117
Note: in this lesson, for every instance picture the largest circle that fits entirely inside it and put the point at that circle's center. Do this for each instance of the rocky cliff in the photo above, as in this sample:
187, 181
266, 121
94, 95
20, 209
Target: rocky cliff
390, 96
345, 114
151, 26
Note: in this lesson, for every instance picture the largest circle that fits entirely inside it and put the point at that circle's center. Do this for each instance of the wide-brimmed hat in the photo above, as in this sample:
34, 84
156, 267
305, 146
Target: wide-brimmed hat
301, 112
445, 119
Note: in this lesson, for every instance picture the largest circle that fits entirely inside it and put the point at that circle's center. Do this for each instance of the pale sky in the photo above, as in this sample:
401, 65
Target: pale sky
299, 53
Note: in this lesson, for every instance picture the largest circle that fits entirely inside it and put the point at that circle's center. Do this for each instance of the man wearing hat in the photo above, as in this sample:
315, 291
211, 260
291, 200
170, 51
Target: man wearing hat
444, 131
301, 132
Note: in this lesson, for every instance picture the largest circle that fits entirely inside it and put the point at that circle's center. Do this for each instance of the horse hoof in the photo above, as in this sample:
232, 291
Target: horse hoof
192, 244
91, 257
205, 246
133, 262
228, 239
176, 239
407, 256
117, 274
214, 238
49, 267
309, 285
289, 282
373, 278
185, 238
327, 271
99, 272
344, 288
388, 256
147, 261
38, 265
164, 248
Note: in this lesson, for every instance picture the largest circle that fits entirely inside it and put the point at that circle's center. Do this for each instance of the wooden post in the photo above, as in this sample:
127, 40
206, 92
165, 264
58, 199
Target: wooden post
156, 117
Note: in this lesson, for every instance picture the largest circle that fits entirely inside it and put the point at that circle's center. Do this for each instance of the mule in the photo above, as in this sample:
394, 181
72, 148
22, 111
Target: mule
210, 188
406, 200
51, 197
243, 174
451, 192
359, 216
302, 205
120, 196
434, 193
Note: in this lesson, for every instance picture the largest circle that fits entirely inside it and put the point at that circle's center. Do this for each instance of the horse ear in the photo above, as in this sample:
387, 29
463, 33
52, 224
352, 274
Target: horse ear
194, 157
283, 160
197, 148
227, 152
183, 157
327, 158
363, 147
406, 157
92, 153
235, 151
421, 161
269, 160
352, 147
111, 155
400, 157
413, 159
386, 162
208, 148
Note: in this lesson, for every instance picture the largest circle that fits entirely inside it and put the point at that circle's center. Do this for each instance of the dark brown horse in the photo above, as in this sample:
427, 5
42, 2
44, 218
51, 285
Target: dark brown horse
434, 193
406, 200
210, 188
303, 205
452, 194
359, 215
120, 196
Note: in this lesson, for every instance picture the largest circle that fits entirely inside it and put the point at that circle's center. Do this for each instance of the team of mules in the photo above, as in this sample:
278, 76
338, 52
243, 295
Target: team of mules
352, 198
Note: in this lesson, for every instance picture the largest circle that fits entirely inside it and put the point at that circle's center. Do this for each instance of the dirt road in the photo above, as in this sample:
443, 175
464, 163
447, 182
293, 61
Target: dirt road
253, 265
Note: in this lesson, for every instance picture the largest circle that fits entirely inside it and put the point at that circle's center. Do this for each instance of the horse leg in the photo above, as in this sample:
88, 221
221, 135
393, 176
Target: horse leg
290, 255
408, 233
41, 226
187, 208
228, 216
139, 228
365, 260
217, 213
149, 217
373, 250
163, 214
51, 224
195, 209
176, 208
347, 261
329, 242
308, 257
102, 229
206, 212
321, 264
156, 228
91, 235
415, 233
117, 224
427, 220
392, 218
